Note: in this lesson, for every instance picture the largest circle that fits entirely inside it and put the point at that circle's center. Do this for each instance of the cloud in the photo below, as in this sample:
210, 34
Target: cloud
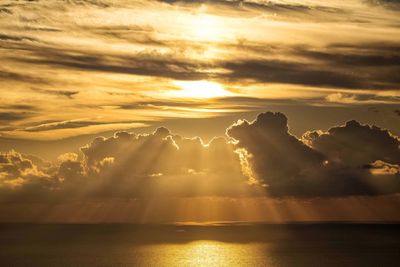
17, 77
63, 125
330, 66
16, 38
260, 158
151, 64
71, 170
288, 167
289, 72
5, 10
18, 173
64, 93
345, 98
14, 116
160, 104
130, 166
278, 159
18, 107
341, 98
355, 144
380, 167
97, 3
280, 10
65, 129
138, 34
390, 4
181, 166
364, 55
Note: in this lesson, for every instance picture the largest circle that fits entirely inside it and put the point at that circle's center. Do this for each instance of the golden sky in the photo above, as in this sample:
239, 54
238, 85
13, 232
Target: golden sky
74, 70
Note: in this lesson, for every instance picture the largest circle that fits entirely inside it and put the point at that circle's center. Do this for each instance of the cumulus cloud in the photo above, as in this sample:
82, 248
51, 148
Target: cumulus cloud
129, 165
332, 167
21, 179
276, 155
17, 170
259, 158
163, 163
355, 144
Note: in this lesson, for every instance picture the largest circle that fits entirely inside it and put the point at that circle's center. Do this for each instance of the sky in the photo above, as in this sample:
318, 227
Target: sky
227, 110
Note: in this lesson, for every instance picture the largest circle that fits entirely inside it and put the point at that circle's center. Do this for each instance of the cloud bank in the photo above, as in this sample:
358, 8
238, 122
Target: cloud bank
258, 158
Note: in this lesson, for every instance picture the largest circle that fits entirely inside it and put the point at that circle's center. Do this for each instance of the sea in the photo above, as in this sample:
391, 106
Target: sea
224, 244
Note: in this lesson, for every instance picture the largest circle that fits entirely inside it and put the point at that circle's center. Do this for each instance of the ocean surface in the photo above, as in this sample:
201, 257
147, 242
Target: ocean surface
188, 245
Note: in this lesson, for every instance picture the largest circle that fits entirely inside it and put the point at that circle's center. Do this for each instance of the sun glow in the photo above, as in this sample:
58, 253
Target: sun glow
200, 89
207, 28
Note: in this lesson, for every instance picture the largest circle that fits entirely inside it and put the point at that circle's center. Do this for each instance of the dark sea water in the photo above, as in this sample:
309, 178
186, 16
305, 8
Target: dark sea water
223, 245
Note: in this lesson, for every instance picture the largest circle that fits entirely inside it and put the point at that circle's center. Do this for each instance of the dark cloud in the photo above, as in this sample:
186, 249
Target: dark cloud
276, 71
355, 144
5, 10
278, 158
14, 116
16, 38
290, 168
65, 93
138, 34
17, 77
141, 64
18, 107
362, 66
361, 55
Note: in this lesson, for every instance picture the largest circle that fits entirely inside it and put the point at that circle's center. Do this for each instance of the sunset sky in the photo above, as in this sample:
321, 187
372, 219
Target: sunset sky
176, 111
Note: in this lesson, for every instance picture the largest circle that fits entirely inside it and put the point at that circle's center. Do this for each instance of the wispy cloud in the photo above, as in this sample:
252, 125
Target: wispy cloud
109, 58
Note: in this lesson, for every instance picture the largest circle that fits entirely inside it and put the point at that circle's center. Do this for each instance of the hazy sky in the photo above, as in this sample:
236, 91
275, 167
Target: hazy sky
73, 70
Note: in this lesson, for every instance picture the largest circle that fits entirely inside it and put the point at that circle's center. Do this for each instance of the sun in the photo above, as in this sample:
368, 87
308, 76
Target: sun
200, 89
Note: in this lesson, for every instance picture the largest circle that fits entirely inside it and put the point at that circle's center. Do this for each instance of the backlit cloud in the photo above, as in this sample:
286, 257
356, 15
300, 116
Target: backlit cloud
262, 158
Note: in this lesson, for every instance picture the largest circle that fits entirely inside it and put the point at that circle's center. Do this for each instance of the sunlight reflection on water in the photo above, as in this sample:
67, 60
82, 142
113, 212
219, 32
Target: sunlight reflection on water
209, 253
